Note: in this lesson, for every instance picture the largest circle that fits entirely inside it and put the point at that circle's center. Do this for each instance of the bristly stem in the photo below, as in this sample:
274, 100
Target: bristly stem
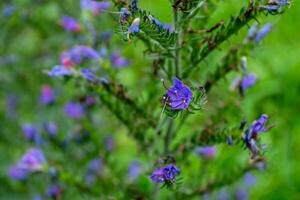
177, 44
168, 136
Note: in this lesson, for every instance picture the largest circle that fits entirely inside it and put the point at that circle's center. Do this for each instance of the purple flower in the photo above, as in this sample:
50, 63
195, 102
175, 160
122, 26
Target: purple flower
70, 24
51, 128
59, 70
109, 143
251, 134
76, 54
275, 6
11, 106
206, 152
135, 26
124, 15
248, 81
88, 74
160, 25
167, 173
134, 5
249, 179
94, 169
179, 96
32, 160
54, 191
263, 32
74, 110
95, 7
47, 95
8, 10
95, 166
17, 173
37, 197
241, 194
30, 132
118, 61
134, 170
258, 125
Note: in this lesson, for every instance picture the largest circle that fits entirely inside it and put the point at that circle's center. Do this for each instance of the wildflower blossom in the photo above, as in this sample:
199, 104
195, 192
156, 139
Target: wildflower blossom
206, 152
247, 81
165, 174
263, 32
135, 26
249, 179
251, 134
134, 5
96, 7
47, 95
51, 128
179, 96
54, 191
8, 10
241, 194
74, 110
88, 74
17, 173
124, 15
30, 132
160, 25
275, 6
118, 61
76, 55
70, 24
94, 169
60, 70
134, 170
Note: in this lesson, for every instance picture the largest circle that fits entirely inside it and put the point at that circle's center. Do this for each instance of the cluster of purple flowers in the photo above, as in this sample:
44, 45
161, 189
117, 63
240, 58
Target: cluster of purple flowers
251, 134
118, 61
165, 174
32, 161
179, 96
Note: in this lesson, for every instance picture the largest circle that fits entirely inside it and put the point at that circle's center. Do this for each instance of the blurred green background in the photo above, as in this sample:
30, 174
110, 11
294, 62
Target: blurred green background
31, 41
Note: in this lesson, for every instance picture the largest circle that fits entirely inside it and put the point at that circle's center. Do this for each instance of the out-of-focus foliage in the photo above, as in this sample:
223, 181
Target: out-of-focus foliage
32, 40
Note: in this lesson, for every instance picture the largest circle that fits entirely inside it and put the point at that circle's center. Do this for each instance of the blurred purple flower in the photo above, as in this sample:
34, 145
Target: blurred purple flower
94, 169
179, 96
276, 5
47, 95
96, 7
88, 74
134, 170
124, 15
135, 26
169, 28
161, 26
37, 197
18, 173
70, 24
30, 132
32, 160
241, 194
54, 191
206, 152
223, 195
248, 81
59, 70
249, 179
11, 106
106, 36
51, 128
74, 110
258, 125
90, 101
263, 32
8, 10
118, 61
167, 173
109, 143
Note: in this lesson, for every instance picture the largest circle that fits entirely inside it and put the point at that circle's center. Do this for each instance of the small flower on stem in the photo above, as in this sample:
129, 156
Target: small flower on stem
166, 174
74, 110
70, 24
47, 95
179, 96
